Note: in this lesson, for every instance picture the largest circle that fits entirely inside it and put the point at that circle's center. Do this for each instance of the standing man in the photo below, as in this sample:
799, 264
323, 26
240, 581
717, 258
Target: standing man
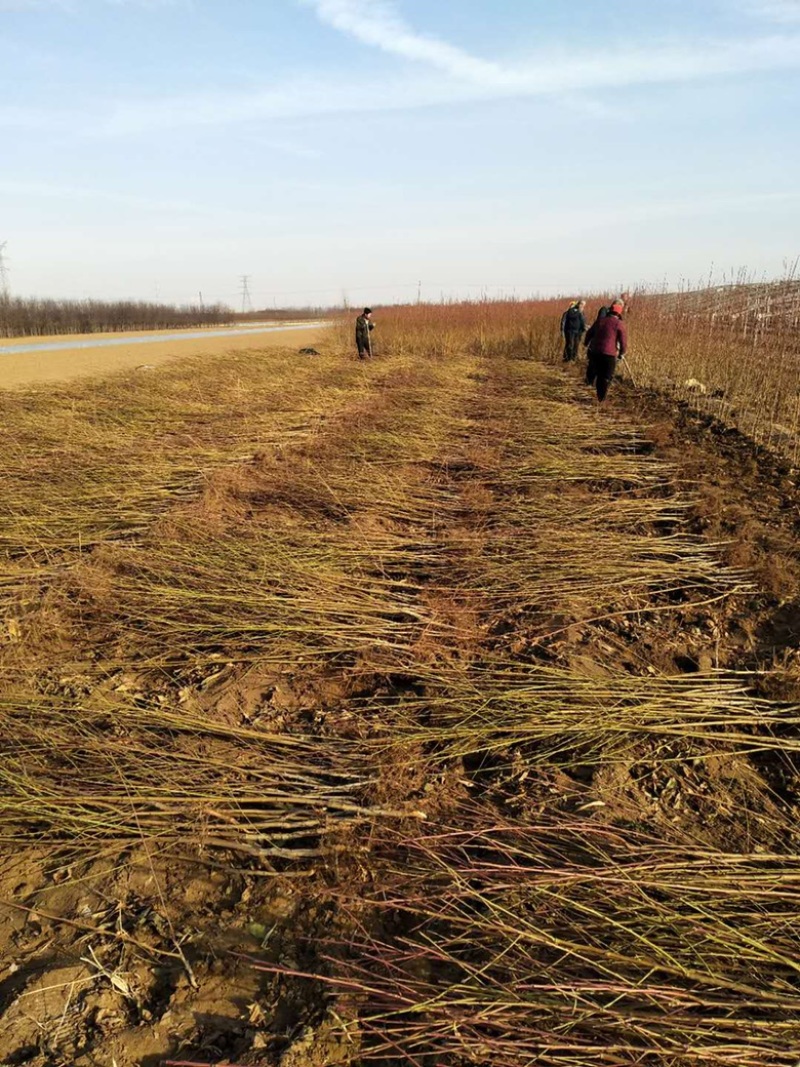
607, 342
573, 327
364, 326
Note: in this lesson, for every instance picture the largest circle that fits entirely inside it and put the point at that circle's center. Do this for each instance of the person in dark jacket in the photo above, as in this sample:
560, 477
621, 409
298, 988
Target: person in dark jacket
607, 341
601, 314
364, 326
573, 327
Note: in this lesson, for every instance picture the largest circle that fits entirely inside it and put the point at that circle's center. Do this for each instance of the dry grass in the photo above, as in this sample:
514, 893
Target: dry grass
98, 462
299, 553
461, 596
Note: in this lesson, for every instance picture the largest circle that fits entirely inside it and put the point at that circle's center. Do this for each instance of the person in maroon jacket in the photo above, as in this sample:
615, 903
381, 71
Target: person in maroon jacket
606, 341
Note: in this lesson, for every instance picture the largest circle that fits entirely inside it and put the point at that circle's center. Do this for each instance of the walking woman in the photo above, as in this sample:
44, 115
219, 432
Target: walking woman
606, 341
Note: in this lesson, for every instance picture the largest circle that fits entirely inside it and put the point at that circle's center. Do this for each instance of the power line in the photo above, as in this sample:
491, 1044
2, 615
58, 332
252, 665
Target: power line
244, 292
3, 270
530, 288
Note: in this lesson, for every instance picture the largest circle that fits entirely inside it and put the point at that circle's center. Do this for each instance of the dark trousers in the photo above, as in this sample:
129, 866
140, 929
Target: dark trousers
571, 343
600, 373
363, 348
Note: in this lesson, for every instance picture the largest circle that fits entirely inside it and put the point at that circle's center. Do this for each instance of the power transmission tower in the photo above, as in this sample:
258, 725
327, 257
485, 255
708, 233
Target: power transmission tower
247, 303
3, 271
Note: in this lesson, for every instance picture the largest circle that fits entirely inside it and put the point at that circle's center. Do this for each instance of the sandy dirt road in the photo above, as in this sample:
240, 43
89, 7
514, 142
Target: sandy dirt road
19, 369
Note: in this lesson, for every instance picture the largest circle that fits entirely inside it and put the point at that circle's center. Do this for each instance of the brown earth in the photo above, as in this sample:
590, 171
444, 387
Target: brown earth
457, 496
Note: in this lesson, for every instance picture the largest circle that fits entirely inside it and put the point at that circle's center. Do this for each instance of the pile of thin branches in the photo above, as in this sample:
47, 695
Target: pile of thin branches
280, 598
89, 775
559, 714
566, 943
101, 462
322, 586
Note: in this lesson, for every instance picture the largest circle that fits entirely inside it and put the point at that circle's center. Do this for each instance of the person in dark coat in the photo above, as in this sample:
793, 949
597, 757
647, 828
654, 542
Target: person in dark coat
601, 314
606, 310
364, 326
607, 341
573, 327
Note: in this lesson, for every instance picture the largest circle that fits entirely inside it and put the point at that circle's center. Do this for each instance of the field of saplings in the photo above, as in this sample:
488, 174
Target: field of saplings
411, 711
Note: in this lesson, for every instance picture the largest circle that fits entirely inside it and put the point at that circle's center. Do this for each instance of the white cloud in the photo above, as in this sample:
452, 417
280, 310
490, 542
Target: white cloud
448, 75
552, 74
377, 23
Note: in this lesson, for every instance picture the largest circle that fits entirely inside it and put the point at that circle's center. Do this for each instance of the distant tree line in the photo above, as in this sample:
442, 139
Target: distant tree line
33, 317
282, 315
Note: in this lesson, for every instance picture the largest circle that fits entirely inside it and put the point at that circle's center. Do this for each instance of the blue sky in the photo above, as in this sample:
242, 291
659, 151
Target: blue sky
330, 148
